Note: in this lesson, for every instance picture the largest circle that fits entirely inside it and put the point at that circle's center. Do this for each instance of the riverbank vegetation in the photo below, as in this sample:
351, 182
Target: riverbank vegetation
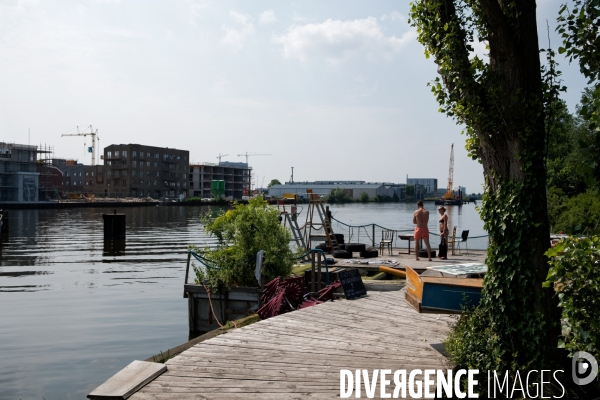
574, 171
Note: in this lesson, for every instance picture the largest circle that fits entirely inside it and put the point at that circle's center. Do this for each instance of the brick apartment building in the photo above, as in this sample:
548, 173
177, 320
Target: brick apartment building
134, 170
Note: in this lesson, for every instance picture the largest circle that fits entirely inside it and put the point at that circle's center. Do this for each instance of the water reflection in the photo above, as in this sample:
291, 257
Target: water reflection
113, 247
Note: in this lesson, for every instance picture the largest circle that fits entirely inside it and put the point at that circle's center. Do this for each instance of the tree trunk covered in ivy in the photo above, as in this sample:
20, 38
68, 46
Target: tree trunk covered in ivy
501, 103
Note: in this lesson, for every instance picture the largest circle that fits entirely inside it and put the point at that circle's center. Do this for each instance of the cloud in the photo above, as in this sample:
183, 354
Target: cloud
267, 17
336, 41
393, 16
196, 9
233, 37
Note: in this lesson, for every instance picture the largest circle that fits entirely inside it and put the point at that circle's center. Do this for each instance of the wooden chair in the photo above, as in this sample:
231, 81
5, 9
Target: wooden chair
464, 236
387, 239
452, 241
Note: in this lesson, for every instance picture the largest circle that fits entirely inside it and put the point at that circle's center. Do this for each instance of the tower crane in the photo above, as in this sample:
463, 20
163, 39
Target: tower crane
220, 156
449, 193
94, 135
246, 154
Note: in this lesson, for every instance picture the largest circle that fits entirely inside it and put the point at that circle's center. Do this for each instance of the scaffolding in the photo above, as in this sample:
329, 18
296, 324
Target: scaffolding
19, 174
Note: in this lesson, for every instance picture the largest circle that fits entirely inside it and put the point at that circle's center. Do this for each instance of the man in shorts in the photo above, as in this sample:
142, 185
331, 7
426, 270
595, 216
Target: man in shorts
421, 218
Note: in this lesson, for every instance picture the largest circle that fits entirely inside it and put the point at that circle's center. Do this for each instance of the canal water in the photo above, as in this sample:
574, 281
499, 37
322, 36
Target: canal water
73, 311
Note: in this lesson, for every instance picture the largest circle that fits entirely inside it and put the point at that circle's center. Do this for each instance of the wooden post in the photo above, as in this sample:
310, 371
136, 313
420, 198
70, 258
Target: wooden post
373, 237
312, 273
187, 272
319, 271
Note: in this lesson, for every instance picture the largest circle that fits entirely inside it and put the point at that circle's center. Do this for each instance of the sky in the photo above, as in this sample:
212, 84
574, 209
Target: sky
336, 89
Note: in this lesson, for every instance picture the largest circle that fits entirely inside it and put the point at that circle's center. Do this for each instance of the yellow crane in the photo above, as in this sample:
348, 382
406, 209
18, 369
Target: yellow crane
449, 193
94, 135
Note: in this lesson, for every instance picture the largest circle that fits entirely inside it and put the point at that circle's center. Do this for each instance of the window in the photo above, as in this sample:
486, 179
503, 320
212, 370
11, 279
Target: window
147, 173
109, 162
133, 173
157, 173
125, 153
147, 183
155, 165
148, 155
185, 177
178, 157
116, 182
141, 174
86, 174
148, 162
191, 185
155, 183
141, 193
108, 172
108, 154
156, 155
124, 182
116, 153
191, 170
134, 164
116, 173
134, 154
92, 173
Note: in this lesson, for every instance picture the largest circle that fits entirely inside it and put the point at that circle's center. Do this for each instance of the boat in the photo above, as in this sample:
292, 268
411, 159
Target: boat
442, 293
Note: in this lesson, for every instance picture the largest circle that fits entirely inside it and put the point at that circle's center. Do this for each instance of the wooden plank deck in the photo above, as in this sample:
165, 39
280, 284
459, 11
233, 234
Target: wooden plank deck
299, 355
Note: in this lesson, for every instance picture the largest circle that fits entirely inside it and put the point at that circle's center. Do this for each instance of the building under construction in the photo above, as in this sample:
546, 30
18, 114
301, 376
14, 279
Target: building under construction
236, 176
19, 177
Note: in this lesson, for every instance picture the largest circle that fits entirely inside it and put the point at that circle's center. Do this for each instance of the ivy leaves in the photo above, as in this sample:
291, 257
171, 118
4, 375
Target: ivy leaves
575, 276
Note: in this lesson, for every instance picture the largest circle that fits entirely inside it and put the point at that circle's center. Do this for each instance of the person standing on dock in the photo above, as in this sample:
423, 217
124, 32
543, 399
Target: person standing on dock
421, 219
444, 232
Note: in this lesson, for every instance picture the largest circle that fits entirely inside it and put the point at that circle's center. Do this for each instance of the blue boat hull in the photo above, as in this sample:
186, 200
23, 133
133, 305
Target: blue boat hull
449, 297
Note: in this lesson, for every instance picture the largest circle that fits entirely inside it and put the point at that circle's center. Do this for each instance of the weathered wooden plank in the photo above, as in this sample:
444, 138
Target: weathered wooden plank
228, 396
127, 381
299, 355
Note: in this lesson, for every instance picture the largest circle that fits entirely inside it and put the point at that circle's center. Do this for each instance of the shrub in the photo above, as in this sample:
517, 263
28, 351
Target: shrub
241, 233
338, 195
364, 197
575, 273
578, 215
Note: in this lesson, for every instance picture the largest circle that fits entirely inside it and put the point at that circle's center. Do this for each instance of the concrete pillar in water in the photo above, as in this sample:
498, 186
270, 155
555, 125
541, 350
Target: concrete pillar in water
114, 225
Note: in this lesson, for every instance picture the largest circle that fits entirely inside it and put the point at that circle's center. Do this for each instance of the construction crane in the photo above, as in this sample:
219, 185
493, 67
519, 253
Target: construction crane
449, 193
246, 154
220, 156
94, 135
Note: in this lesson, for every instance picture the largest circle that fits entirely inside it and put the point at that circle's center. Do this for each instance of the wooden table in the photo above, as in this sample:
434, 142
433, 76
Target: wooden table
406, 237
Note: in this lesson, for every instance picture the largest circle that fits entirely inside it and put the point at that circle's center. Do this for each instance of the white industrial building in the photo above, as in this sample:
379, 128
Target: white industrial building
354, 188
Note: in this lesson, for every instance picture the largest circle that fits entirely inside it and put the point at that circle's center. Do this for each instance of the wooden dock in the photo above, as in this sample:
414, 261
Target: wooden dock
299, 355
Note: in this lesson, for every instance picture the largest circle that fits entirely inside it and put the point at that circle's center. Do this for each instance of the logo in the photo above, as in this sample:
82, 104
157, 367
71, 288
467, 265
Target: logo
584, 368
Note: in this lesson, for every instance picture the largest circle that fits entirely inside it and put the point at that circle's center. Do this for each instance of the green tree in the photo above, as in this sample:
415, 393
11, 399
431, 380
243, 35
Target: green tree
242, 232
410, 190
364, 197
273, 183
578, 27
502, 103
